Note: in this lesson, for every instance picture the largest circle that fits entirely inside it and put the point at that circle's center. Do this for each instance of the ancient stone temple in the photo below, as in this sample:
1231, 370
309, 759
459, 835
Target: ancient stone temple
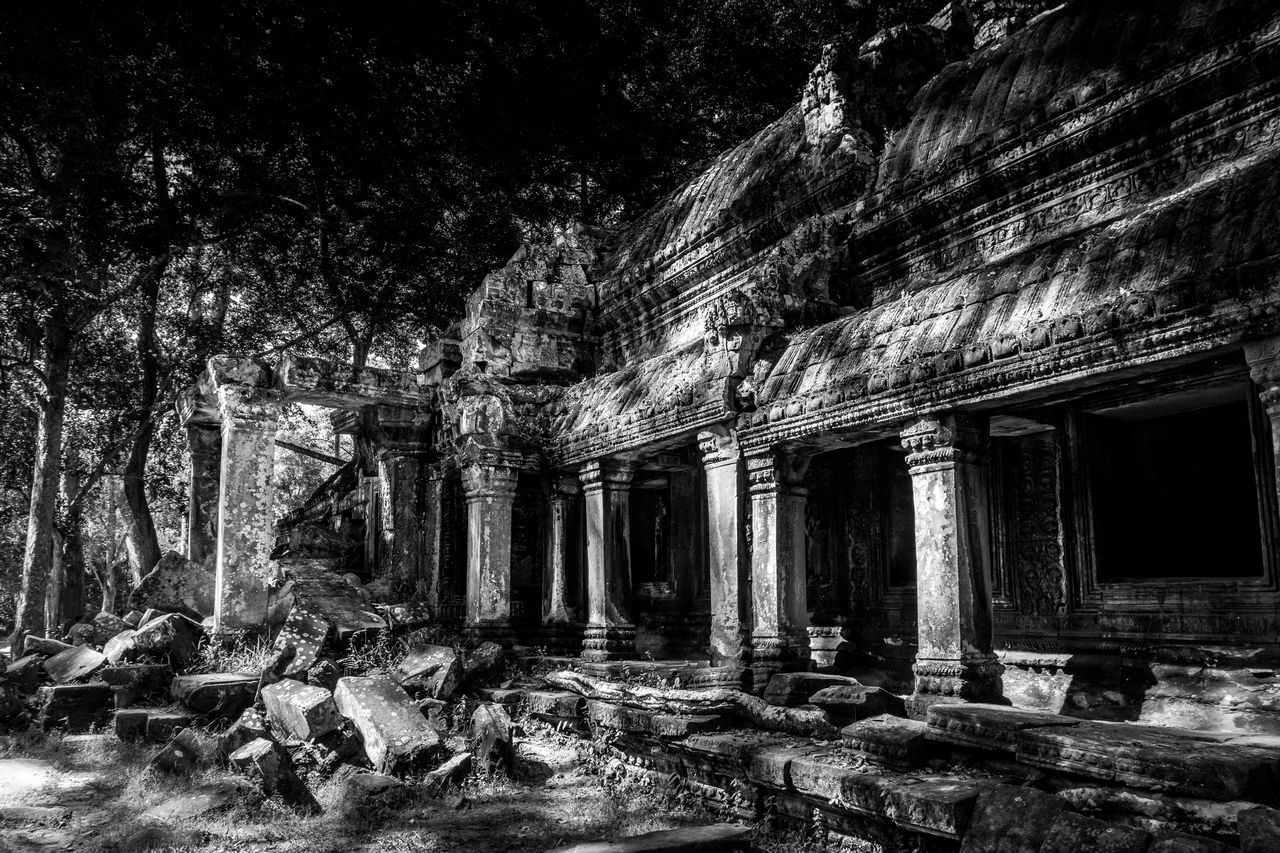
964, 371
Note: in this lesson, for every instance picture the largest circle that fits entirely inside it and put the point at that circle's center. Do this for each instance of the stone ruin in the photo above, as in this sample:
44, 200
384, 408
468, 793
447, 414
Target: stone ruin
958, 386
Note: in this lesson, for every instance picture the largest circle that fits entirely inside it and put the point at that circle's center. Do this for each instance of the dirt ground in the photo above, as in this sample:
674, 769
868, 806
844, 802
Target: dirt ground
89, 793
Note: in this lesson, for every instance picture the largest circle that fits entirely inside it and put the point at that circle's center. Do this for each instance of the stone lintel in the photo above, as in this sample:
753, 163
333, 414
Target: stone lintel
323, 382
195, 408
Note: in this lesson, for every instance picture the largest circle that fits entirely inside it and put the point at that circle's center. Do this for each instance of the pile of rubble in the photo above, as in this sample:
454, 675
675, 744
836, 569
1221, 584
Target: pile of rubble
300, 719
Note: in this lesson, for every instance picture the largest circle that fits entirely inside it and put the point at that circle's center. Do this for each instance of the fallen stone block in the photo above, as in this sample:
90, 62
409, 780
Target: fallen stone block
170, 637
791, 689
105, 626
132, 682
485, 664
823, 774
1073, 833
363, 789
1177, 842
301, 711
320, 591
250, 726
937, 805
177, 585
118, 646
163, 723
433, 669
394, 732
491, 734
508, 697
199, 800
180, 755
1010, 819
436, 712
42, 815
889, 741
324, 673
307, 632
619, 717
853, 702
25, 673
452, 772
131, 723
771, 765
555, 706
43, 646
1175, 761
717, 838
413, 614
992, 727
73, 664
134, 618
1259, 830
221, 694
74, 707
271, 764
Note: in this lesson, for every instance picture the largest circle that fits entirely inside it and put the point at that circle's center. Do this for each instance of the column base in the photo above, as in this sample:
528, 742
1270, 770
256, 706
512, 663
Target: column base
772, 653
602, 643
491, 632
953, 682
559, 638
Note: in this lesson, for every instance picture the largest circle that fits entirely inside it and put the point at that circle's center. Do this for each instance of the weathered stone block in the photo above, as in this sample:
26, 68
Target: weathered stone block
1176, 761
73, 664
271, 764
1177, 842
484, 664
938, 805
134, 618
131, 723
854, 702
508, 697
717, 838
319, 591
771, 765
177, 585
555, 706
74, 707
106, 626
170, 637
25, 673
890, 741
223, 694
250, 726
987, 726
1072, 833
180, 755
392, 729
619, 717
132, 682
301, 711
198, 801
118, 646
164, 724
790, 689
822, 775
412, 614
307, 632
43, 646
433, 669
1259, 830
1010, 819
452, 771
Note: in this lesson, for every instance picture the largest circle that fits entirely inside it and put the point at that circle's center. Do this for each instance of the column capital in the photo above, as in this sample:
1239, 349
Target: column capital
776, 469
564, 484
614, 473
249, 408
719, 447
481, 479
1263, 357
945, 439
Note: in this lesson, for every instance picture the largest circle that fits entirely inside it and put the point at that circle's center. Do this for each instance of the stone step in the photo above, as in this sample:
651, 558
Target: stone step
717, 838
889, 741
74, 707
555, 706
993, 727
1176, 761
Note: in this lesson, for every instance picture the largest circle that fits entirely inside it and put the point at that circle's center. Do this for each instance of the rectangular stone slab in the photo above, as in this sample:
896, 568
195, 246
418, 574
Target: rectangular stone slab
822, 775
790, 689
301, 711
936, 805
75, 707
987, 726
225, 694
1195, 764
771, 765
74, 663
717, 838
327, 595
394, 732
554, 705
163, 724
1011, 819
306, 632
889, 741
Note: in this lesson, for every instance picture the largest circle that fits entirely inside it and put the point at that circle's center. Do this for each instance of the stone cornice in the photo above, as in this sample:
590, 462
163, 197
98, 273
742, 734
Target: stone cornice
248, 409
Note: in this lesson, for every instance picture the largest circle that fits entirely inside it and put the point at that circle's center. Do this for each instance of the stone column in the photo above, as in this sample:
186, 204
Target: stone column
1264, 368
947, 457
204, 441
726, 547
610, 633
402, 510
245, 520
490, 491
779, 636
560, 616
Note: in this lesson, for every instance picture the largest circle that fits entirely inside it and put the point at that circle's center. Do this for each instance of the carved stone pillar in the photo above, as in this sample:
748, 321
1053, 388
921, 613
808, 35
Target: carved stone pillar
490, 491
728, 562
245, 520
402, 518
779, 636
1264, 367
610, 633
947, 457
561, 627
204, 442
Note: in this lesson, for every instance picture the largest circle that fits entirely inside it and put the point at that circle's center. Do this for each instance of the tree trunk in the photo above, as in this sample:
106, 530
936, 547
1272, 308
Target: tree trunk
55, 589
72, 552
37, 558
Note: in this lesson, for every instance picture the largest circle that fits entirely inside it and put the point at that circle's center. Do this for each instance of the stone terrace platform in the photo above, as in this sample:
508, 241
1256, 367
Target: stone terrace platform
972, 778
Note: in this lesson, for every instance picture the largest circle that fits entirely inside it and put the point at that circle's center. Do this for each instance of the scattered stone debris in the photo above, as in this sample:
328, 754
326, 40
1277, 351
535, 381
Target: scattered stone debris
74, 664
717, 838
434, 670
199, 800
223, 694
180, 756
299, 711
176, 585
395, 734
